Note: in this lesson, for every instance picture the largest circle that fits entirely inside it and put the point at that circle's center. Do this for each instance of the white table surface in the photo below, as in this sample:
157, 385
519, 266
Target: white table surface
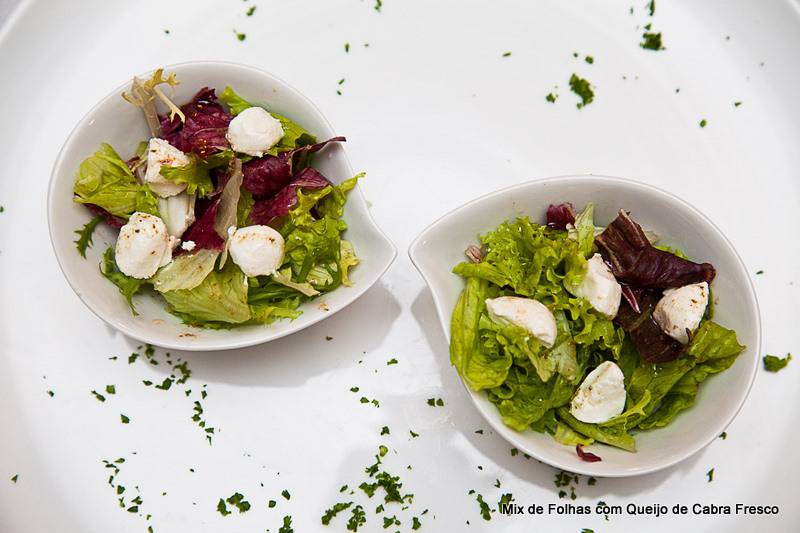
436, 116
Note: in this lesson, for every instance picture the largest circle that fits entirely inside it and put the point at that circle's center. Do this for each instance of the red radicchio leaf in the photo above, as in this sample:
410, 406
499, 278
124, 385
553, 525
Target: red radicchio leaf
589, 457
267, 175
635, 261
205, 127
653, 345
113, 221
264, 211
558, 216
630, 297
202, 231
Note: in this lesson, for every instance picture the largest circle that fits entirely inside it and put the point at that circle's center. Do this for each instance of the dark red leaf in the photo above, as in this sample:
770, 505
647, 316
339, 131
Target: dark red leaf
205, 127
653, 345
633, 260
589, 457
265, 176
111, 220
264, 211
558, 216
202, 231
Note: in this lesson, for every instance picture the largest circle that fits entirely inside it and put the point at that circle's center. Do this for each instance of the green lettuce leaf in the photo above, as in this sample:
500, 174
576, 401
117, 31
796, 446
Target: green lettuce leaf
567, 436
713, 349
185, 272
127, 285
84, 239
284, 277
221, 297
332, 205
244, 207
294, 136
481, 362
614, 436
106, 181
197, 174
347, 260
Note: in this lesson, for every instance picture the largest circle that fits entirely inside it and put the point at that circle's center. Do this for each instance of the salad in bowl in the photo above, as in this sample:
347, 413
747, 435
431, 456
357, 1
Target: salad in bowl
589, 334
218, 211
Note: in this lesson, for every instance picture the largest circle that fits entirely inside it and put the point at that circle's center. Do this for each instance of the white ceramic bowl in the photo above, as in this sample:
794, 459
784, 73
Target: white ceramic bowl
122, 125
441, 246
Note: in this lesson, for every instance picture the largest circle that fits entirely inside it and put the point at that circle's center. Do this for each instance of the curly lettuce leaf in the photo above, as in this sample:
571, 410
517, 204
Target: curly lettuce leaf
105, 180
332, 205
614, 436
773, 363
221, 297
197, 174
347, 260
84, 239
294, 135
127, 285
523, 398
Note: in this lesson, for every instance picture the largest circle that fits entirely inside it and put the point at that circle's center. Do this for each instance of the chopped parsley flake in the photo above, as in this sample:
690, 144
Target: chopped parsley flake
591, 481
166, 31
354, 389
703, 123
710, 475
435, 402
651, 41
382, 450
251, 10
497, 483
505, 499
239, 35
415, 523
391, 361
737, 104
358, 517
271, 504
333, 511
413, 435
84, 240
385, 430
124, 419
583, 89
328, 338
652, 7
287, 525
111, 389
589, 59
98, 396
514, 452
479, 431
346, 48
14, 478
222, 508
486, 513
285, 494
378, 6
506, 54
758, 273
51, 393
774, 363
723, 435
551, 97
238, 501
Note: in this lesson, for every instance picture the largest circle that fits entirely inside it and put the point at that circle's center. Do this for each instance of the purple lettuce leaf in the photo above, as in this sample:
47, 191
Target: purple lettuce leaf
265, 176
202, 230
558, 216
634, 261
205, 127
113, 221
265, 210
589, 457
653, 345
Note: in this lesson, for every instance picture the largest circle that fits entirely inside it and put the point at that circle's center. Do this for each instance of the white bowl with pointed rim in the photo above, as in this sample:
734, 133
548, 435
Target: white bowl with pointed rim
441, 246
122, 125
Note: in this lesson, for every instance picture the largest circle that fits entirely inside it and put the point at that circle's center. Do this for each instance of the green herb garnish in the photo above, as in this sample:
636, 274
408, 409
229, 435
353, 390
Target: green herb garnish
239, 35
710, 475
124, 419
774, 363
652, 41
583, 89
84, 240
333, 511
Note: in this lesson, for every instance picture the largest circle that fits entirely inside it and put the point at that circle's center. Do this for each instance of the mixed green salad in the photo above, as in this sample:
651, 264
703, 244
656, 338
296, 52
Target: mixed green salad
219, 211
589, 334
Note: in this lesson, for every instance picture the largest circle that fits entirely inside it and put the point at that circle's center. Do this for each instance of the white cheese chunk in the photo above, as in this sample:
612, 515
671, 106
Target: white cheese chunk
177, 212
188, 245
600, 287
254, 131
258, 250
601, 396
680, 310
162, 154
143, 246
526, 313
